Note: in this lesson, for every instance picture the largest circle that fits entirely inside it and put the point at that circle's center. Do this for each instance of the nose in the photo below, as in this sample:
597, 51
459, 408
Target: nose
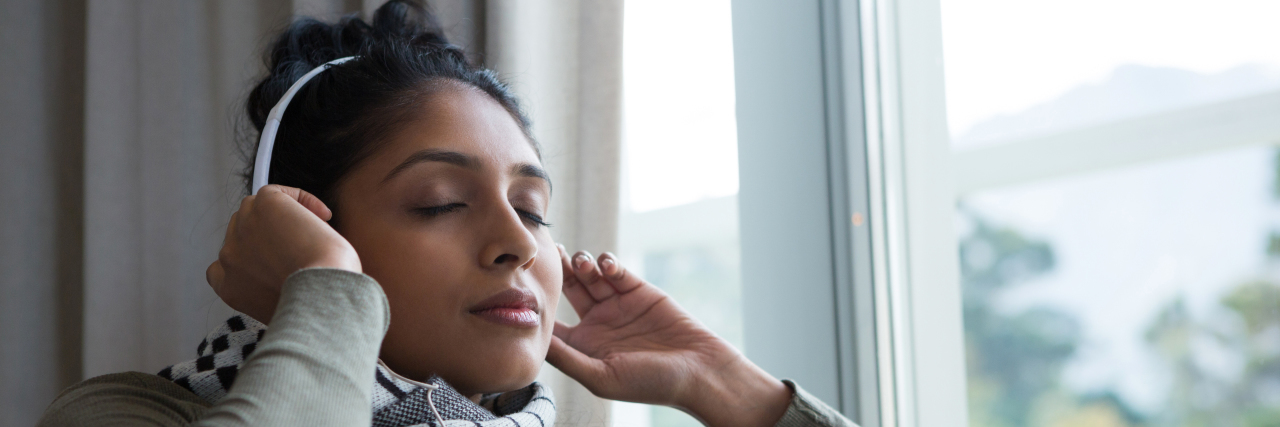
509, 245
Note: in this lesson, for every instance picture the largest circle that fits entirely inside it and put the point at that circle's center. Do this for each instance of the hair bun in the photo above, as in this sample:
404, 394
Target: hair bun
408, 19
307, 43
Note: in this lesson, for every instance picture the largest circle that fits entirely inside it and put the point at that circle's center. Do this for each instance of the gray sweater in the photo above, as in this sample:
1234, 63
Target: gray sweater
313, 368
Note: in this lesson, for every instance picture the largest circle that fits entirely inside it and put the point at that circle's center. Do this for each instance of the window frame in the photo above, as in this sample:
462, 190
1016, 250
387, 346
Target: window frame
1182, 132
813, 287
908, 128
840, 112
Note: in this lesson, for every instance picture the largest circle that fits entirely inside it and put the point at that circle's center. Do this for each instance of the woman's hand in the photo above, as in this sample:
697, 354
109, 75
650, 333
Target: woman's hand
635, 343
275, 233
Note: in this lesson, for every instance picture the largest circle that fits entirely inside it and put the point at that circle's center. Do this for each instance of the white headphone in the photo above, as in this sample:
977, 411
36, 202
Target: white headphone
262, 162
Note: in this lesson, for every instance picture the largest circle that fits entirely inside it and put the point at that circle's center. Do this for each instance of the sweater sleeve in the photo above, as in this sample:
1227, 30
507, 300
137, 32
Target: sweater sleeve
808, 411
314, 367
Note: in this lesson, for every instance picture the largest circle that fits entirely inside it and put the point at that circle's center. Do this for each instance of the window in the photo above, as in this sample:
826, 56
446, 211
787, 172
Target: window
679, 225
1115, 202
1008, 212
1080, 202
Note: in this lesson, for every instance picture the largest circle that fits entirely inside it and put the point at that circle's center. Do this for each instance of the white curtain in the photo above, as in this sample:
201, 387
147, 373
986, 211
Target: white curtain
118, 153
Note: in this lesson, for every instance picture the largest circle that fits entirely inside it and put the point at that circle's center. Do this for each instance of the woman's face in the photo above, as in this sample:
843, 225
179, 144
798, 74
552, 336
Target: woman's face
447, 216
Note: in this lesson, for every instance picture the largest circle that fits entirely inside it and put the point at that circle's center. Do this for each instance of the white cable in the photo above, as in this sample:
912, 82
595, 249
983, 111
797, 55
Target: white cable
439, 420
262, 161
430, 388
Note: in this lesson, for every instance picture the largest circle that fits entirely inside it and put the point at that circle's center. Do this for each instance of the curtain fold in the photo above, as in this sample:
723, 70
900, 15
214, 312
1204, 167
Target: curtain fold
119, 156
41, 125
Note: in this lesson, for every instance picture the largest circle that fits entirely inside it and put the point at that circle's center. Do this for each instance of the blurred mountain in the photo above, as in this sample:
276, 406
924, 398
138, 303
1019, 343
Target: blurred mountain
1130, 91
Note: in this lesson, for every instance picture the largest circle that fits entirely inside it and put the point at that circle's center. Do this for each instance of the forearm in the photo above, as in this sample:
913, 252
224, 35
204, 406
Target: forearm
315, 365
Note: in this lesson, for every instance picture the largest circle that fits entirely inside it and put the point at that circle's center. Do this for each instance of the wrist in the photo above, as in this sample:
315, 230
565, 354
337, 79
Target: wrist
343, 260
740, 394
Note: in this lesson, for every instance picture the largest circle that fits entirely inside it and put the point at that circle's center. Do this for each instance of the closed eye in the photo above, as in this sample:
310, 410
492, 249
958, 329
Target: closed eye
433, 211
532, 217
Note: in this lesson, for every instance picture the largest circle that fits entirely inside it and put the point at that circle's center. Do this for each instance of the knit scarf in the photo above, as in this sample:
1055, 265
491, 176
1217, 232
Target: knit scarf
396, 402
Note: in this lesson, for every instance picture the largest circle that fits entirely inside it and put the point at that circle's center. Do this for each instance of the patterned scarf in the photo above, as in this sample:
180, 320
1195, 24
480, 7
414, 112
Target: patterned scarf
396, 402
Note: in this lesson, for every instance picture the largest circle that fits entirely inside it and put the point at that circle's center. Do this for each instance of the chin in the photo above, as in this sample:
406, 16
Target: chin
515, 381
504, 368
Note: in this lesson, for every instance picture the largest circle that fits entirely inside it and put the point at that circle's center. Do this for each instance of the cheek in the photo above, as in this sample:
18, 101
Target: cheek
550, 277
552, 280
409, 255
415, 269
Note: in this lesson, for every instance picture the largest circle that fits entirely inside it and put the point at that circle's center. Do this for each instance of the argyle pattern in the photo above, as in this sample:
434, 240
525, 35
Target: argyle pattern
396, 402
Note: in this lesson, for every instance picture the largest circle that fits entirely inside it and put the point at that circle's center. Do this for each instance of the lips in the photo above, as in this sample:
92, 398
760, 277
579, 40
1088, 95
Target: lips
513, 307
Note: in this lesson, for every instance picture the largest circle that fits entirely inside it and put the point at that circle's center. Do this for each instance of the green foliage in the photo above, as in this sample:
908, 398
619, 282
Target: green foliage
993, 258
1013, 359
1273, 245
1258, 305
1248, 329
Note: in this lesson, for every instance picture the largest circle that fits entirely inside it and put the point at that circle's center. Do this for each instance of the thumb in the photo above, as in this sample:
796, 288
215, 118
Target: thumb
590, 372
309, 201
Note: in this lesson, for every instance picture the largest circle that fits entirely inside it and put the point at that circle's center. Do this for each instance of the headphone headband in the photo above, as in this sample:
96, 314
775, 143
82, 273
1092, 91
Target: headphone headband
262, 161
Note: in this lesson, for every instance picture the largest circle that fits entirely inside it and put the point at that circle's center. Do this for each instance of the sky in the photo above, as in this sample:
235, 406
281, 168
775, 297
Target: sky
1003, 56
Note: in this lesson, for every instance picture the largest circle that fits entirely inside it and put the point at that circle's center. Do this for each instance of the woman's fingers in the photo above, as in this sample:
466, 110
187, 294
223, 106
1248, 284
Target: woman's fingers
601, 280
214, 275
562, 330
246, 203
617, 275
590, 276
573, 290
307, 200
588, 371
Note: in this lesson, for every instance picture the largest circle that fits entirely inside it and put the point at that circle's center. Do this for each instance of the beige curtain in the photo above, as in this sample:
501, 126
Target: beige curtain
118, 154
41, 202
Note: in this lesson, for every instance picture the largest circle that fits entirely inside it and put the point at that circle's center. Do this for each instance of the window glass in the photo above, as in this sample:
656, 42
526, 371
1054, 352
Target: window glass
1144, 296
1019, 68
679, 225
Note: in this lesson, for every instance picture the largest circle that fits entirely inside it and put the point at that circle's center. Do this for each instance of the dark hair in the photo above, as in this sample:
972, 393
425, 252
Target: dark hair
338, 118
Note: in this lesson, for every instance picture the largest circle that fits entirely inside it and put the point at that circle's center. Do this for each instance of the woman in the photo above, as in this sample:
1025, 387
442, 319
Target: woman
401, 261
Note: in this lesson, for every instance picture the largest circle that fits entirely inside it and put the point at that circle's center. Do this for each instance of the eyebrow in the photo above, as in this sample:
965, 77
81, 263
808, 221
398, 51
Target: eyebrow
463, 160
532, 171
450, 157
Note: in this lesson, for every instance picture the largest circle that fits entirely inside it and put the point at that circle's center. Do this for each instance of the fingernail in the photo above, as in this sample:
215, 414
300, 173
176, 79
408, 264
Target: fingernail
581, 259
606, 264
